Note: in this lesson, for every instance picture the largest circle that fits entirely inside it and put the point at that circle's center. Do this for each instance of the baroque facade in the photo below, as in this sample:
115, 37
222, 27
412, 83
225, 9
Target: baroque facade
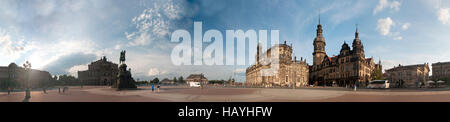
441, 70
100, 72
288, 71
408, 76
350, 67
15, 73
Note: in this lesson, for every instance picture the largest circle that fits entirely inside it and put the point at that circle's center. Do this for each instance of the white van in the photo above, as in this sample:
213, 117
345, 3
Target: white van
194, 84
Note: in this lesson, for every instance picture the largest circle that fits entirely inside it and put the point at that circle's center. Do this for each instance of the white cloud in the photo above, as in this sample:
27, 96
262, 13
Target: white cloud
74, 70
405, 26
143, 39
10, 48
155, 72
395, 5
45, 53
155, 23
444, 15
117, 47
384, 26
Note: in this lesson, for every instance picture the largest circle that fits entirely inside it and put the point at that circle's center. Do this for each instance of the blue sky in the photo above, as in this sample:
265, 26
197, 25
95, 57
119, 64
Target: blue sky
63, 36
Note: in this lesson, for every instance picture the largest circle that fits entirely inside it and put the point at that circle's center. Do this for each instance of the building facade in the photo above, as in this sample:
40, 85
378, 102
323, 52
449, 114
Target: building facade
349, 68
166, 81
197, 78
441, 71
17, 74
100, 72
408, 76
287, 71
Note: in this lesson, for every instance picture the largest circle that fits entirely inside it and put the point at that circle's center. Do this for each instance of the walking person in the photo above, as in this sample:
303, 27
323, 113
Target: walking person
9, 90
153, 87
59, 89
158, 87
45, 90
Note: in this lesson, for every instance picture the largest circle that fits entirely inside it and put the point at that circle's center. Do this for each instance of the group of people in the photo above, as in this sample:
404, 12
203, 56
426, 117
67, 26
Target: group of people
45, 90
153, 87
64, 89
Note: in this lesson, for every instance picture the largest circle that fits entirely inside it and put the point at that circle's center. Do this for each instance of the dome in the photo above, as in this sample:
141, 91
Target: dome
12, 65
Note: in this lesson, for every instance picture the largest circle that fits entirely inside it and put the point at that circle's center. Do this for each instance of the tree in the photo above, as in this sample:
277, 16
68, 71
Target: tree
181, 80
66, 79
155, 81
174, 79
377, 75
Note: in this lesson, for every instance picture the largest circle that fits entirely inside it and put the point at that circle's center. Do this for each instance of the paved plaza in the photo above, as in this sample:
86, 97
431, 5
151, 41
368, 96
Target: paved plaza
184, 94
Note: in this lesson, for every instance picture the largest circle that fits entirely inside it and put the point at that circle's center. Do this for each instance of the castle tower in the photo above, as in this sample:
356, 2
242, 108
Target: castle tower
357, 45
319, 45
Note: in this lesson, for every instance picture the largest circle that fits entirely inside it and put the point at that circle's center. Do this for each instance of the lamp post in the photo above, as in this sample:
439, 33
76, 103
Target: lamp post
27, 67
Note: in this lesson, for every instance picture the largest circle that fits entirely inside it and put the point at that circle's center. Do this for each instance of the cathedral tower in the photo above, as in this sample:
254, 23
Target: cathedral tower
258, 53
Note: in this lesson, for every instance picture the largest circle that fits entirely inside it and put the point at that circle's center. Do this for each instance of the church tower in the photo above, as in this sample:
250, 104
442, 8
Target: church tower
358, 48
258, 53
319, 45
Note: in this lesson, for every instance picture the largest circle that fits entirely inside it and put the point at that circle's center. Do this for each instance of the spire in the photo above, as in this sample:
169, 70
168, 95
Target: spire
379, 60
356, 33
319, 27
319, 16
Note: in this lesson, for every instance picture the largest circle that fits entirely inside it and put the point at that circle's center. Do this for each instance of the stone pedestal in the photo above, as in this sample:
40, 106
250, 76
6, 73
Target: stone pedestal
124, 79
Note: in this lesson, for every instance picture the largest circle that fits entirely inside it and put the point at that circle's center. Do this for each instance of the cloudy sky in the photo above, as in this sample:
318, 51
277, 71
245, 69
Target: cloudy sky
63, 36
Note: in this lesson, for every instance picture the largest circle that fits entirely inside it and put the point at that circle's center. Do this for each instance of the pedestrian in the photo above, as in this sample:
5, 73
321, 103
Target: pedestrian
158, 87
59, 89
45, 90
153, 87
9, 90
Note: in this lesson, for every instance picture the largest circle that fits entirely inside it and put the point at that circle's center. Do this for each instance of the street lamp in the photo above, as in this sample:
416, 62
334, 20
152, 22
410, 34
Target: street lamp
27, 67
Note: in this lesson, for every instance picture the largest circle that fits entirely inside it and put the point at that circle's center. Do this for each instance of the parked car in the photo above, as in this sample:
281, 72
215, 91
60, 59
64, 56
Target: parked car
378, 84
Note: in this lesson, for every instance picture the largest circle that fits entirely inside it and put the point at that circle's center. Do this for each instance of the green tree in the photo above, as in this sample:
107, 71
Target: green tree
67, 80
155, 81
174, 79
181, 80
377, 75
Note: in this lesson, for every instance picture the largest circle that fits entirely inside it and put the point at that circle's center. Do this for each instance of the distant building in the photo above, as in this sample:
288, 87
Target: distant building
100, 72
441, 70
13, 72
166, 81
197, 78
408, 76
289, 71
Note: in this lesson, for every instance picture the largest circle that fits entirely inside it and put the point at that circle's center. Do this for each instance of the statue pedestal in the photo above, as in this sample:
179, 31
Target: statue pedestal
124, 79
